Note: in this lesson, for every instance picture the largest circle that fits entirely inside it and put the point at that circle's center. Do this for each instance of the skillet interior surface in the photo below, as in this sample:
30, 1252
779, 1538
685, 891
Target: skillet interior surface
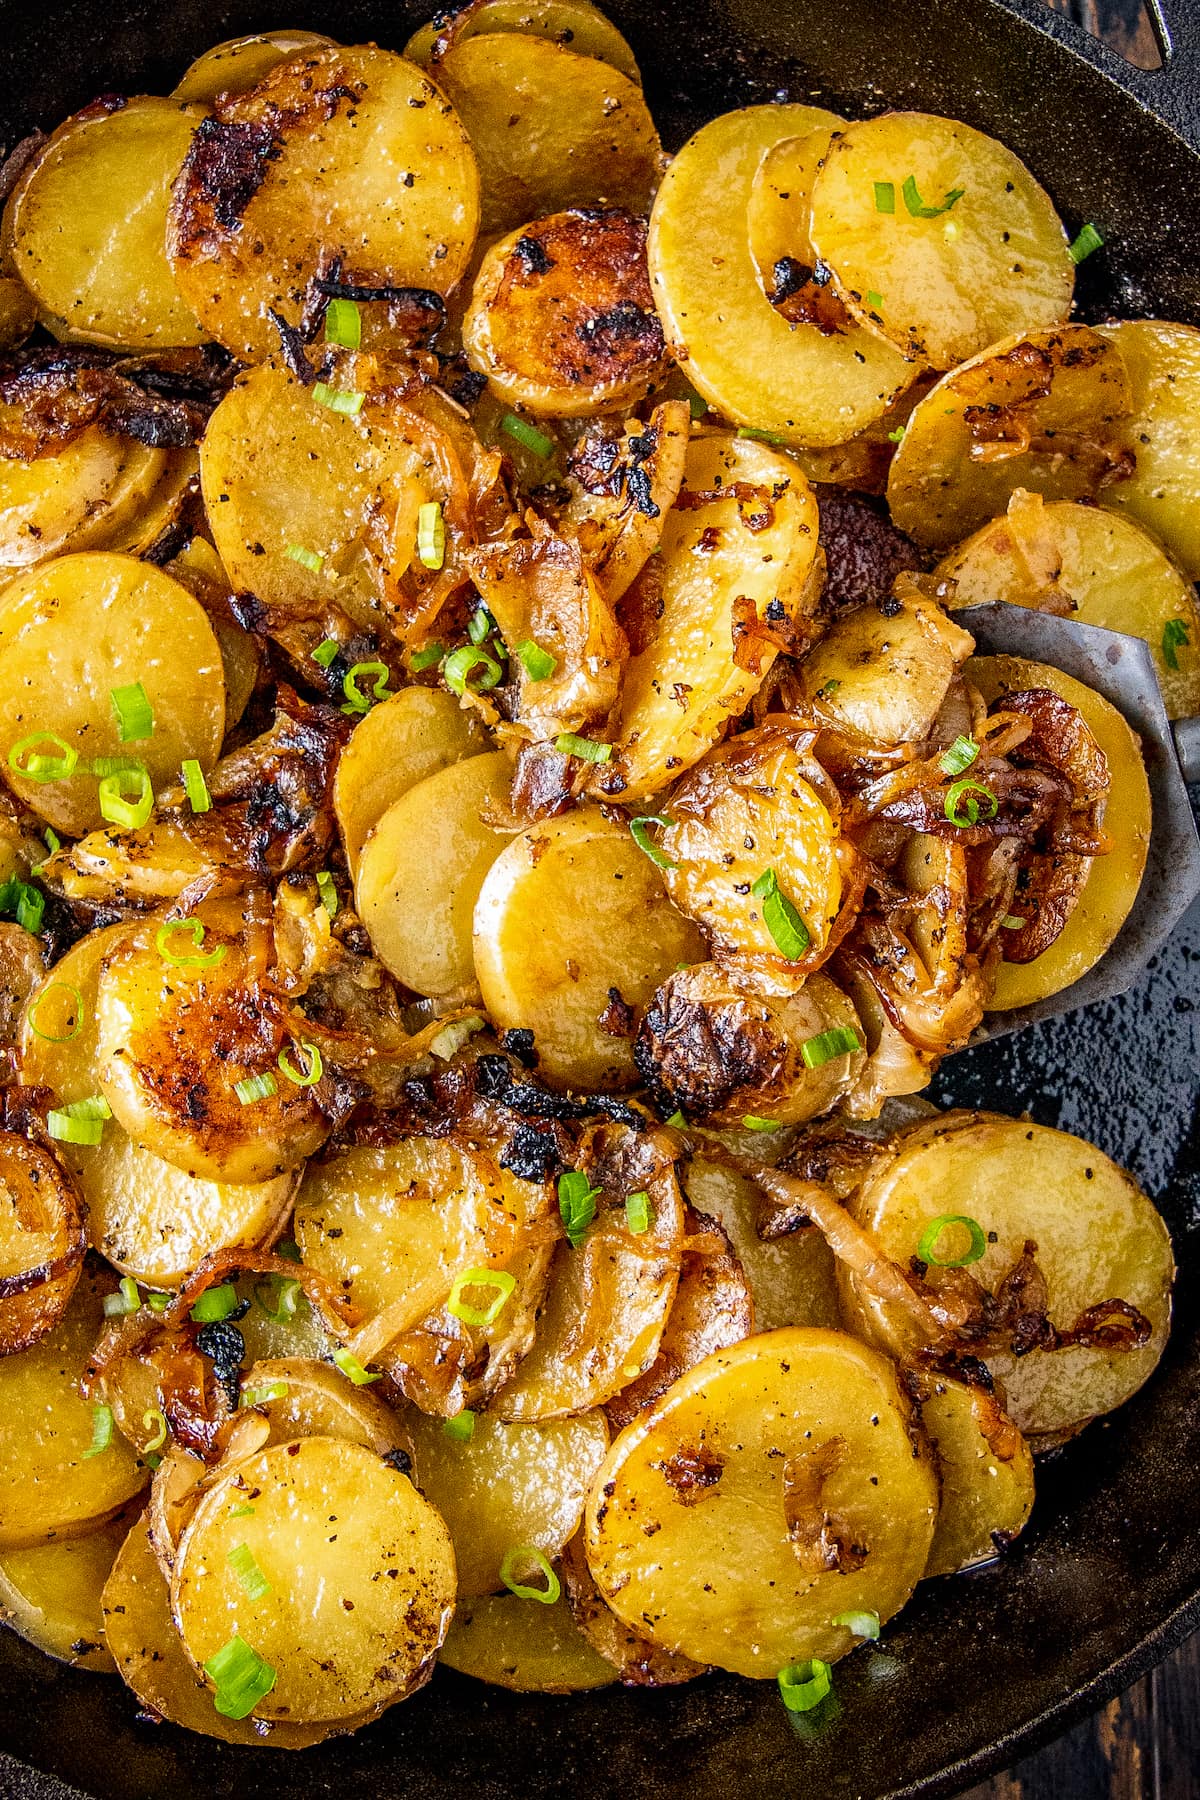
1107, 1577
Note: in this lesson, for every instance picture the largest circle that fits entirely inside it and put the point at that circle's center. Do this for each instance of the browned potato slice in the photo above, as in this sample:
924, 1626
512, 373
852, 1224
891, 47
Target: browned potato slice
50, 1486
71, 632
726, 559
1161, 434
86, 224
986, 1472
413, 734
964, 249
638, 1661
74, 497
355, 153
422, 867
150, 525
743, 356
239, 64
1112, 886
785, 1489
198, 568
793, 1280
50, 1594
573, 22
18, 313
618, 532
507, 1485
539, 971
524, 1645
42, 1242
1043, 410
318, 1401
1101, 566
883, 671
562, 320
1098, 1239
332, 1661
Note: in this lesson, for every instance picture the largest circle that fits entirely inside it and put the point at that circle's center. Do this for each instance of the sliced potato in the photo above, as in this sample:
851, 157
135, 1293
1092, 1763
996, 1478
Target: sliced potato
784, 1488
50, 1594
618, 532
524, 1645
1043, 410
1099, 565
18, 312
969, 249
74, 497
86, 224
71, 632
740, 352
318, 1401
332, 1661
726, 559
413, 734
1112, 886
882, 672
549, 128
572, 22
42, 1242
986, 1473
422, 867
540, 973
1161, 433
198, 568
508, 1485
793, 1280
638, 1661
153, 524
239, 64
1098, 1239
354, 153
59, 1046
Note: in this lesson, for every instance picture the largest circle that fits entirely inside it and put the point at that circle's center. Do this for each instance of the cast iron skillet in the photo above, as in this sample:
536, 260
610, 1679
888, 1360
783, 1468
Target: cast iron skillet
1106, 1579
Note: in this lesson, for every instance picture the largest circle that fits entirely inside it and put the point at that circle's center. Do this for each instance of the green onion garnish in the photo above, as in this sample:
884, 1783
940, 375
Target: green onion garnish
82, 1122
102, 1431
215, 1304
874, 299
862, 1624
338, 400
460, 665
791, 935
326, 652
451, 1038
804, 1685
840, 1040
241, 1512
352, 1369
312, 560
431, 535
969, 813
356, 700
24, 903
959, 756
638, 1212
154, 1422
315, 1066
639, 831
158, 1303
343, 324
195, 786
567, 743
100, 766
135, 715
762, 437
40, 767
538, 664
76, 1013
697, 407
183, 959
577, 1204
126, 1300
289, 1249
420, 660
131, 815
499, 1280
241, 1678
327, 892
885, 196
754, 1122
894, 437
461, 1427
528, 436
677, 1119
1010, 922
918, 208
241, 1561
1088, 240
262, 1396
480, 625
927, 1249
1175, 636
253, 1088
285, 1291
520, 1558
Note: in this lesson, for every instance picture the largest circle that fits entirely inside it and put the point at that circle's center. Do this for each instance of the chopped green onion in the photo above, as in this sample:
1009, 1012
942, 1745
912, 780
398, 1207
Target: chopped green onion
241, 1512
253, 1088
969, 814
154, 1422
315, 1065
158, 1303
461, 1427
24, 903
918, 208
82, 1122
862, 1624
102, 1431
241, 1561
451, 1038
420, 660
638, 1212
538, 664
1010, 922
761, 437
281, 1310
753, 1122
840, 1040
1175, 636
241, 1678
828, 690
356, 700
135, 715
181, 959
431, 535
804, 1685
697, 407
327, 892
927, 1249
885, 196
460, 665
568, 743
528, 436
289, 1249
262, 1396
639, 831
959, 756
43, 768
215, 1304
195, 786
343, 324
520, 1558
327, 651
480, 625
897, 436
52, 840
874, 299
312, 560
338, 400
677, 1119
50, 1037
502, 1284
126, 1300
1088, 240
100, 766
576, 1204
131, 815
788, 930
352, 1369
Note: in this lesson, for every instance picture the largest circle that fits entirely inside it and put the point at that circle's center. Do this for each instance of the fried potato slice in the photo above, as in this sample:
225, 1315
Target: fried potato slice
579, 993
59, 1045
239, 64
74, 497
743, 356
785, 1487
410, 735
1112, 885
792, 1280
1161, 434
198, 568
882, 672
735, 573
421, 870
986, 1472
18, 312
507, 1485
50, 1594
86, 224
1098, 1240
349, 153
574, 22
550, 128
42, 1242
524, 1645
50, 1486
939, 236
615, 512
1044, 410
1096, 566
638, 1661
71, 632
332, 1662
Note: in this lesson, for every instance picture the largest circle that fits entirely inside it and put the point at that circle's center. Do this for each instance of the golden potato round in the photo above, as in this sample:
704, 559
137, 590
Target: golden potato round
742, 355
240, 63
572, 22
784, 1488
74, 497
421, 870
86, 224
71, 632
50, 1594
413, 734
939, 236
318, 1401
793, 1280
524, 1645
986, 1472
638, 1661
198, 568
59, 1044
42, 1241
569, 913
882, 672
1162, 435
618, 539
